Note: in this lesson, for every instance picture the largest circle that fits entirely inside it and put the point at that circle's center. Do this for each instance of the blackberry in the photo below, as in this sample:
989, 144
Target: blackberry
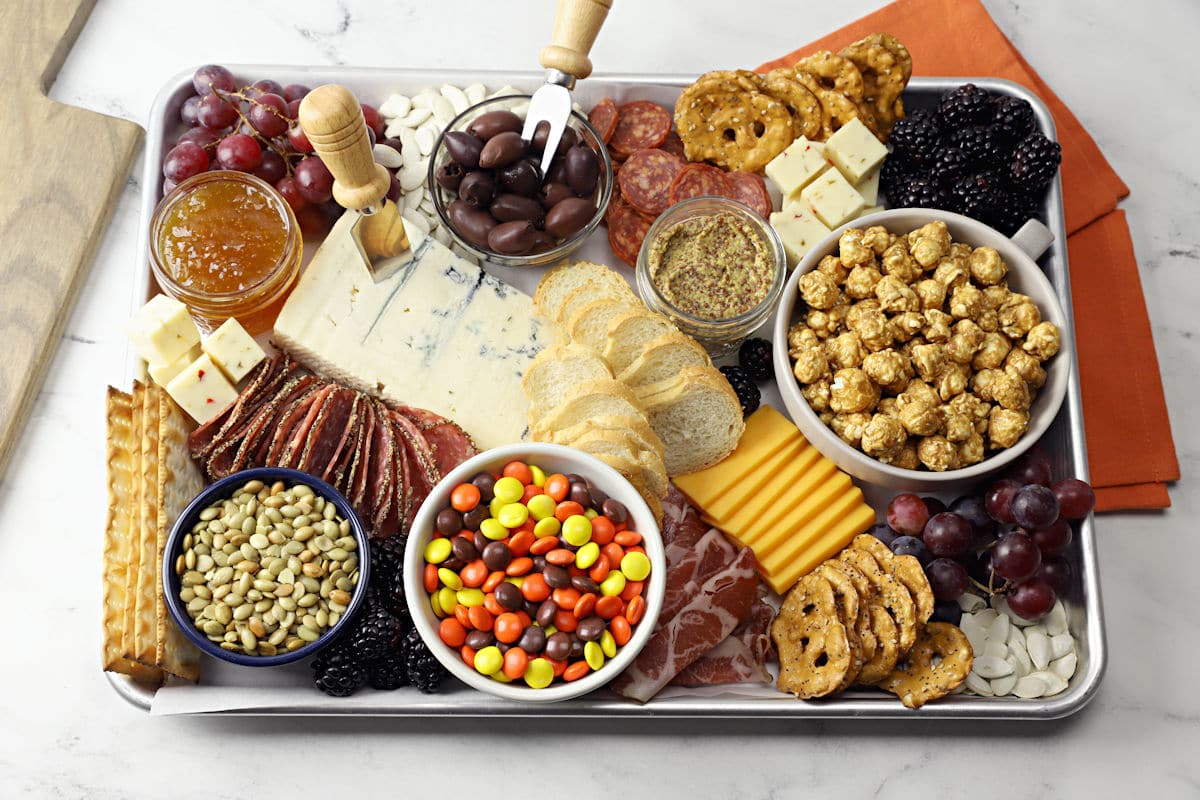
745, 388
337, 673
948, 163
893, 174
980, 145
977, 196
919, 192
1013, 118
374, 633
387, 575
755, 357
916, 137
1010, 211
1034, 163
391, 671
423, 669
966, 105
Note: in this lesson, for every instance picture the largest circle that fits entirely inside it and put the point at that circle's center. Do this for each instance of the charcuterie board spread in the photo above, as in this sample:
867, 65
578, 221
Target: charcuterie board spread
778, 429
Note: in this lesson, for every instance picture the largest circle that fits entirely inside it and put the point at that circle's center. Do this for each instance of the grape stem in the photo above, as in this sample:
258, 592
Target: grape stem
269, 143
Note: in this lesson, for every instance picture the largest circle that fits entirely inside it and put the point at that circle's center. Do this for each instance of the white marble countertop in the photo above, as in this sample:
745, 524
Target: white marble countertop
1126, 71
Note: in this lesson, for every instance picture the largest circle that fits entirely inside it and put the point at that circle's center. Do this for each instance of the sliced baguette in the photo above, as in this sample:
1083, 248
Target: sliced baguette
663, 357
648, 465
634, 476
555, 371
558, 283
636, 428
697, 416
628, 332
589, 325
585, 401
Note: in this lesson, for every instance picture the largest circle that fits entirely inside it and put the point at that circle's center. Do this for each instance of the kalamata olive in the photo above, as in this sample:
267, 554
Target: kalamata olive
464, 148
502, 150
471, 223
583, 169
551, 194
569, 216
568, 140
542, 242
450, 175
512, 238
485, 126
477, 189
521, 177
558, 169
509, 207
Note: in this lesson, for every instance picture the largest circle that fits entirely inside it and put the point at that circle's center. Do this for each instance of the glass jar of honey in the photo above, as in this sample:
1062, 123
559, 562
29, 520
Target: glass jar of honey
226, 244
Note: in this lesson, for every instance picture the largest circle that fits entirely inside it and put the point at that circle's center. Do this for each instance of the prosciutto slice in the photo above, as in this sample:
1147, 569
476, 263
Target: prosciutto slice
740, 657
691, 569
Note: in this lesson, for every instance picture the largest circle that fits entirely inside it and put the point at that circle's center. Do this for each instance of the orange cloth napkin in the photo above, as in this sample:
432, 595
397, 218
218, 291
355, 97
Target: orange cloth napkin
1131, 454
1129, 447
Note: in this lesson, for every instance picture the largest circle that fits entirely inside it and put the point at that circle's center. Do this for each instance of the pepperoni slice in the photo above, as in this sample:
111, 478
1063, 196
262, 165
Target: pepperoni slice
627, 227
641, 125
673, 144
698, 180
603, 117
751, 189
646, 179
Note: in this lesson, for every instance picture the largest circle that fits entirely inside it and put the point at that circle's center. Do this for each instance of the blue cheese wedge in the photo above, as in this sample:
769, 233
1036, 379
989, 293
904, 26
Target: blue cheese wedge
439, 334
233, 350
855, 151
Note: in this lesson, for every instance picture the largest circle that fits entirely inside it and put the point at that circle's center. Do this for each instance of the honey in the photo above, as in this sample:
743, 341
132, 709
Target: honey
227, 245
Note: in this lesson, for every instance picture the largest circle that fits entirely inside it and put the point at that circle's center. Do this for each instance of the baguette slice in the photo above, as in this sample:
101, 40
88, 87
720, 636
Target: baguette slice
590, 292
634, 460
636, 428
636, 480
555, 372
588, 326
588, 399
663, 357
556, 284
697, 416
628, 332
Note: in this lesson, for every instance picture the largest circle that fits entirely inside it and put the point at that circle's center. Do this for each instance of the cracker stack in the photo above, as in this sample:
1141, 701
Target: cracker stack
150, 482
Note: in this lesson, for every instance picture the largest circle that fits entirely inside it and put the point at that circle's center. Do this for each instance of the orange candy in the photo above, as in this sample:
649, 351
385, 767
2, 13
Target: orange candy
567, 508
632, 589
451, 631
635, 610
543, 545
602, 530
584, 606
515, 662
493, 605
565, 621
626, 538
621, 631
559, 666
557, 486
520, 543
614, 552
481, 618
598, 571
508, 628
519, 470
464, 497
560, 556
608, 607
534, 588
468, 655
531, 491
525, 620
494, 579
464, 618
474, 574
518, 567
565, 598
575, 671
430, 578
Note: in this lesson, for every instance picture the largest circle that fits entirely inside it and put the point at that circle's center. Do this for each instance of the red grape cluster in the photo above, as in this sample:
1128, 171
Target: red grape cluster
253, 128
1009, 539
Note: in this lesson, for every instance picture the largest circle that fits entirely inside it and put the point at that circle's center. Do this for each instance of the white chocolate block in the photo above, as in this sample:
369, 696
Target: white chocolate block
854, 150
201, 390
162, 330
832, 198
163, 373
233, 350
796, 166
868, 187
798, 229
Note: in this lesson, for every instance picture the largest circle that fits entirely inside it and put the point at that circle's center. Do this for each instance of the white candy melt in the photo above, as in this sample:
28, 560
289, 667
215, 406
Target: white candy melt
1002, 686
1030, 686
475, 93
990, 667
978, 685
387, 156
1056, 620
1061, 645
1064, 667
995, 649
1038, 645
397, 105
457, 98
1054, 684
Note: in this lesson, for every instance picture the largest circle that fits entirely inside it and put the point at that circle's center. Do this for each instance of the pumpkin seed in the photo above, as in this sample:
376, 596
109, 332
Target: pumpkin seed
187, 593
248, 639
223, 614
307, 634
253, 486
340, 597
243, 612
204, 562
209, 514
214, 628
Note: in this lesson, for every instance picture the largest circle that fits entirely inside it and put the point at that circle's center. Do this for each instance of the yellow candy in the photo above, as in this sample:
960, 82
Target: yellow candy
450, 578
493, 529
495, 506
539, 674
437, 551
508, 490
470, 597
636, 566
541, 506
592, 654
591, 513
516, 581
489, 660
608, 644
436, 605
613, 585
577, 530
539, 475
549, 526
500, 677
447, 598
587, 555
513, 515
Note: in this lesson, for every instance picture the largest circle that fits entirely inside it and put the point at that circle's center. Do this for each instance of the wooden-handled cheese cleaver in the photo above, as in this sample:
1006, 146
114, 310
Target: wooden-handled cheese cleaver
332, 119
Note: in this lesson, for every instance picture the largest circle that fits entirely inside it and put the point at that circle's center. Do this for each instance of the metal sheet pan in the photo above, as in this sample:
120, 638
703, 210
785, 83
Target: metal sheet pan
1065, 440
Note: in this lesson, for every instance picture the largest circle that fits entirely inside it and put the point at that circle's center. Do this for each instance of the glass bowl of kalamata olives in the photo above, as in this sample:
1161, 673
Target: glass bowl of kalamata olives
491, 195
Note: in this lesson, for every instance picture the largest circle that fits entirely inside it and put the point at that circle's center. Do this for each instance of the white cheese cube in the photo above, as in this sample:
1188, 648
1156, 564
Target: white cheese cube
233, 350
162, 330
796, 166
163, 373
201, 390
870, 210
832, 198
854, 150
868, 187
799, 230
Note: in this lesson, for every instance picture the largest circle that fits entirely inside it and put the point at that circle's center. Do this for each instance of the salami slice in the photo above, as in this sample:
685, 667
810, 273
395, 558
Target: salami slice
750, 189
450, 444
646, 179
673, 144
603, 117
641, 125
698, 180
627, 228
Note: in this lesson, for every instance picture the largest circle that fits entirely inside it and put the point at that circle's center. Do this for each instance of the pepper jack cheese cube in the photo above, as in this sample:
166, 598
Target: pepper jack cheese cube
795, 167
233, 350
163, 373
799, 230
201, 390
868, 187
162, 330
854, 150
832, 198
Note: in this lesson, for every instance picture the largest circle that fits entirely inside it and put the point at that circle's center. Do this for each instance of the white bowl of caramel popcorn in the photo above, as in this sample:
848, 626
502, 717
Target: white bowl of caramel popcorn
920, 349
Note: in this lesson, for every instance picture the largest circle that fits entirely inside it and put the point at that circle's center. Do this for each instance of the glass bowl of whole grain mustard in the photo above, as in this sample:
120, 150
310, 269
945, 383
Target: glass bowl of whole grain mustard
715, 268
